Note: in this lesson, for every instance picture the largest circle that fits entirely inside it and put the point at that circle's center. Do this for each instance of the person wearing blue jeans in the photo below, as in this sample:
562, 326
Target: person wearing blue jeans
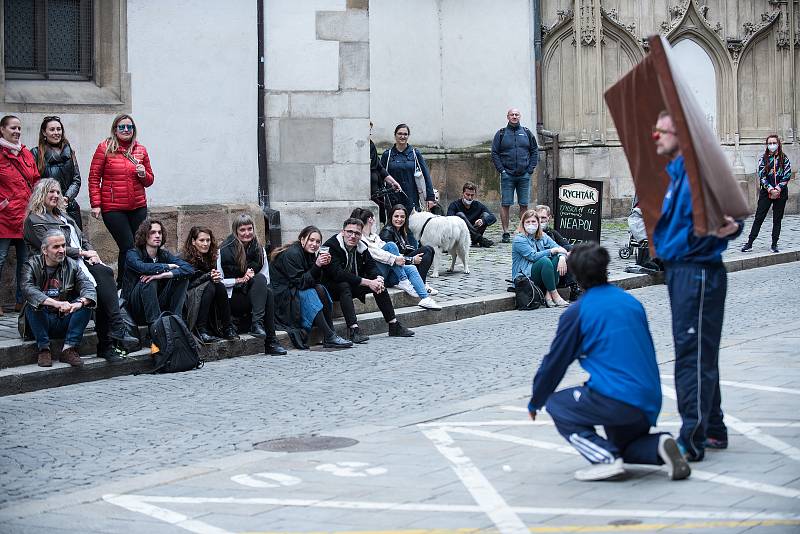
514, 155
58, 296
697, 285
607, 332
396, 269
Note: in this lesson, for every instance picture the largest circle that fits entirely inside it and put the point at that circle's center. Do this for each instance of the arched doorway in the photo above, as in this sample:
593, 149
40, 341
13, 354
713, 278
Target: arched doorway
698, 71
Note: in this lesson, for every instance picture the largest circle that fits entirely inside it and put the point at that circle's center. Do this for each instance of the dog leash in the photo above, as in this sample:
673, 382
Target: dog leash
422, 231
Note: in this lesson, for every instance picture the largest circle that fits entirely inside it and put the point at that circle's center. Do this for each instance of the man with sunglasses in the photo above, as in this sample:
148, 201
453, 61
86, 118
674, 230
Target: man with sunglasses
352, 274
697, 285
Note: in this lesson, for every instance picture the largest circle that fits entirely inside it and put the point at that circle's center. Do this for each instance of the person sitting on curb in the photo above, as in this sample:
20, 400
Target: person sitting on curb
245, 272
352, 274
155, 280
475, 214
396, 231
607, 332
301, 301
567, 280
58, 297
538, 257
397, 270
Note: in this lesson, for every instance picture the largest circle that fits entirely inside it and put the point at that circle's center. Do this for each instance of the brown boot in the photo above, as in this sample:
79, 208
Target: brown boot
45, 359
72, 357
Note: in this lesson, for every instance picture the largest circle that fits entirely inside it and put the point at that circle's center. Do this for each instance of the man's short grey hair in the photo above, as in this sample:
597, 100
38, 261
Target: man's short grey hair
542, 207
48, 235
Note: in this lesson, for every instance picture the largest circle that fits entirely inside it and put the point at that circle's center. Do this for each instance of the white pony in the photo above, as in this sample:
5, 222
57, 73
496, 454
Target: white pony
444, 234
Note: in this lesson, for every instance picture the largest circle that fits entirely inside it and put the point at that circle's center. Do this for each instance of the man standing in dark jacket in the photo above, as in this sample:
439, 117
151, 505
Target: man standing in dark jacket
58, 296
352, 273
155, 280
514, 154
474, 213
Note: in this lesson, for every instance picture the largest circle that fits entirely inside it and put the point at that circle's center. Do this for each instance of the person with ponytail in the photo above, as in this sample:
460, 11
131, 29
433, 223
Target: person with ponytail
301, 299
774, 173
245, 272
56, 159
118, 175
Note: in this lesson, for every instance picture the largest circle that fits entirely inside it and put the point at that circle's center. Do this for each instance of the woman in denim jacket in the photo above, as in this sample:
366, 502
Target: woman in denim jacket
537, 256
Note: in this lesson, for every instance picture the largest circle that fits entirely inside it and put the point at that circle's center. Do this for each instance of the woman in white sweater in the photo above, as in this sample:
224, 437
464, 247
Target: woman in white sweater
397, 270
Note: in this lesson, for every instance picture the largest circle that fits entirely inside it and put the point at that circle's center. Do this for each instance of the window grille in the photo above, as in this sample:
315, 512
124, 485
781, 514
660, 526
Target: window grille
49, 39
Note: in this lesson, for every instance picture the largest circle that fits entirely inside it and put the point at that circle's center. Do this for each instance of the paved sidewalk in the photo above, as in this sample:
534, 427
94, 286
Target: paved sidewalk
491, 267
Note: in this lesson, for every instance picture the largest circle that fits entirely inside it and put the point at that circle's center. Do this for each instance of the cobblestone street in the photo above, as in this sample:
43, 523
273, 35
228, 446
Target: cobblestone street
185, 436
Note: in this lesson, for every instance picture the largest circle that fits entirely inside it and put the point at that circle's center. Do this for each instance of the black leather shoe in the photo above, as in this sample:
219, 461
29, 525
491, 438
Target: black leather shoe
230, 333
575, 292
337, 342
274, 348
356, 336
206, 337
485, 243
257, 330
398, 330
124, 341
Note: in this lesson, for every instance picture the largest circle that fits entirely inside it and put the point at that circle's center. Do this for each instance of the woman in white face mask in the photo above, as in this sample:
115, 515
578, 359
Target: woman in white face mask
537, 256
774, 172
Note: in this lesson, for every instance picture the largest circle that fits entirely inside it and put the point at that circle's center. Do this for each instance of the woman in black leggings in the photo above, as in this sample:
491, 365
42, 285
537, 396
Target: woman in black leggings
119, 173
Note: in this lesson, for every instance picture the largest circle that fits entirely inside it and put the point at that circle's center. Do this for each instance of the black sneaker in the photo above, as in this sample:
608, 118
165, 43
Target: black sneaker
714, 443
747, 247
356, 336
257, 330
506, 237
485, 242
575, 292
774, 249
206, 337
111, 354
398, 330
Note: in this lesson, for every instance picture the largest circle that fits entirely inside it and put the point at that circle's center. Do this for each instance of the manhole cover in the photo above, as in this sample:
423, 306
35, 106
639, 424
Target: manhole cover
305, 444
623, 522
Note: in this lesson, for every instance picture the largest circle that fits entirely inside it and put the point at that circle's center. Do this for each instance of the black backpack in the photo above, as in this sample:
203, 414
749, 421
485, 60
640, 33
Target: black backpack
178, 349
529, 296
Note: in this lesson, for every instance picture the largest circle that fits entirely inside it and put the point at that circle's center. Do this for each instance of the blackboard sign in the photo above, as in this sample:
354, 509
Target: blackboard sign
578, 210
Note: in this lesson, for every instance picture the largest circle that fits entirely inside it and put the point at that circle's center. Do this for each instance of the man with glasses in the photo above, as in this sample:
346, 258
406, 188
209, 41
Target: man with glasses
567, 280
514, 154
352, 274
697, 284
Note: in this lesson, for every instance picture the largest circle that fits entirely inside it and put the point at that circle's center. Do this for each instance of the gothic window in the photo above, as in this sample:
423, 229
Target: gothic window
48, 39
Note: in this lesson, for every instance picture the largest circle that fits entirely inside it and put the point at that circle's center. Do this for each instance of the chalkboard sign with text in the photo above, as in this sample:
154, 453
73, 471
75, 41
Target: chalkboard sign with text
579, 206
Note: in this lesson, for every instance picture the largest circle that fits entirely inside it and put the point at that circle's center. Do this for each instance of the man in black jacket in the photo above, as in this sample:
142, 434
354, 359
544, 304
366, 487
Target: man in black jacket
155, 280
568, 280
352, 273
58, 296
474, 213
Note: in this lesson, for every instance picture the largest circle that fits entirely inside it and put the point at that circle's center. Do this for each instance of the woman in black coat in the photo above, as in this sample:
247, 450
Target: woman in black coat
396, 231
55, 159
301, 301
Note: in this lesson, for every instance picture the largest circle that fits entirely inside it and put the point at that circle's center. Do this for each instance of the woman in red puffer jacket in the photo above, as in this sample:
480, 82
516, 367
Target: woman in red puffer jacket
18, 175
118, 175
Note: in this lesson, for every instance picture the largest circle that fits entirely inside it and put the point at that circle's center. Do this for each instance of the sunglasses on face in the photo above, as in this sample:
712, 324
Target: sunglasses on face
124, 127
52, 118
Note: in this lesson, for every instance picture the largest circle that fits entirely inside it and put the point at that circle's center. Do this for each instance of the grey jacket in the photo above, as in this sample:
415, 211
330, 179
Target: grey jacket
74, 284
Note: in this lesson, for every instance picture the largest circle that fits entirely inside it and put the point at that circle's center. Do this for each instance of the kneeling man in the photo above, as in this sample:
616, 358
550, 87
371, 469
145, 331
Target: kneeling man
58, 295
607, 332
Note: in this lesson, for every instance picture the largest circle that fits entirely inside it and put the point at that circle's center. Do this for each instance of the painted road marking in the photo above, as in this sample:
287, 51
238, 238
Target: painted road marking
747, 385
266, 480
351, 469
547, 422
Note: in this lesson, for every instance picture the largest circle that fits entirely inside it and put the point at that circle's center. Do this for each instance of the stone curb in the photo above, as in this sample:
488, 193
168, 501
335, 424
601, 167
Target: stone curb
26, 378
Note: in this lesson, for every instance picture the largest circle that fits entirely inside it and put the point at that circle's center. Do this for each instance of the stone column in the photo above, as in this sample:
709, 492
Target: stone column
317, 140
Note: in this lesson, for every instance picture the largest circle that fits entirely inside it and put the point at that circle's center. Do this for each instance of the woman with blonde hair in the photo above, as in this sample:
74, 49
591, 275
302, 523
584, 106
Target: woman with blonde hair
45, 214
535, 255
245, 272
118, 175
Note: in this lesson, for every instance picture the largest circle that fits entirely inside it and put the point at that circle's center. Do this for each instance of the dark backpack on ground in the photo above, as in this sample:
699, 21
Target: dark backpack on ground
529, 296
178, 349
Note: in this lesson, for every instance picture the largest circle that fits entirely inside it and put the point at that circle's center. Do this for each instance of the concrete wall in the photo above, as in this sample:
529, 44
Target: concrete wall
449, 69
317, 126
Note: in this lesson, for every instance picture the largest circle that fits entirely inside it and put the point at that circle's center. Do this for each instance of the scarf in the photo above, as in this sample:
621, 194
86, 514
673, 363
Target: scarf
14, 149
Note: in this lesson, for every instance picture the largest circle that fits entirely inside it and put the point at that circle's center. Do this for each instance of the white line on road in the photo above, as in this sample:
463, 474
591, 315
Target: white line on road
489, 500
746, 385
454, 508
140, 503
513, 439
749, 431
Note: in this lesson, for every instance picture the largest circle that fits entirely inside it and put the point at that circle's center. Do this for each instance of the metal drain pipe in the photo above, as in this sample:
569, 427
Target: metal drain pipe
272, 218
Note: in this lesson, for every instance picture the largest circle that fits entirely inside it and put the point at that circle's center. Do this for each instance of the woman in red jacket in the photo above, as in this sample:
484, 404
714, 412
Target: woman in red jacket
18, 174
119, 172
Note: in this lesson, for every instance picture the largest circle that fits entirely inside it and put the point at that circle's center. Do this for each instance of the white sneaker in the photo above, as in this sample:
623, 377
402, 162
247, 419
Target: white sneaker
431, 291
601, 471
677, 466
429, 303
406, 286
561, 303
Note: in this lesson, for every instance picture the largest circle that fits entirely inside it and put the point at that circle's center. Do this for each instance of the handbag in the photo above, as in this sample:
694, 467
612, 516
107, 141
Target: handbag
419, 179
